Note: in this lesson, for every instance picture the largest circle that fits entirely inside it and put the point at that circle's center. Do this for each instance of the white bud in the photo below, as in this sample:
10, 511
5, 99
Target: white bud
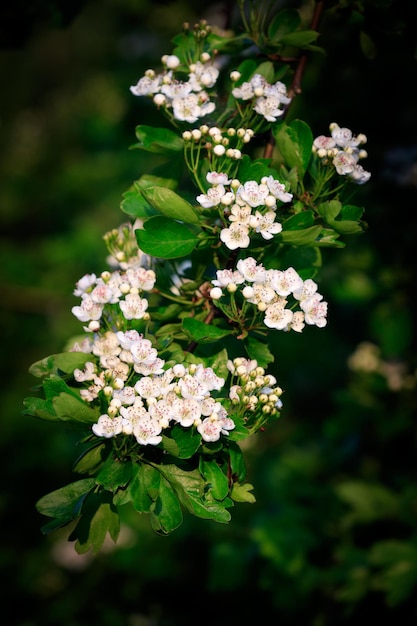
216, 293
235, 75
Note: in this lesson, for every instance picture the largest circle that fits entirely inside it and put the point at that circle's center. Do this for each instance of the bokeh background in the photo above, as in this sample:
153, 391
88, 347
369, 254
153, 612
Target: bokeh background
332, 538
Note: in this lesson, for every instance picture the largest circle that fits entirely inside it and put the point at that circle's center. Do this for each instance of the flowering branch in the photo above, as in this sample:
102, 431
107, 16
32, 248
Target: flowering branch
171, 372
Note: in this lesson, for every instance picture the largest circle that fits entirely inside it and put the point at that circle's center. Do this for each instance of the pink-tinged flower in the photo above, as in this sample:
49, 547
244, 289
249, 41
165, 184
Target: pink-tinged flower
88, 310
217, 178
227, 277
141, 278
285, 282
251, 270
85, 284
146, 86
253, 194
277, 189
186, 411
107, 426
344, 162
147, 431
315, 310
212, 197
297, 322
209, 429
324, 143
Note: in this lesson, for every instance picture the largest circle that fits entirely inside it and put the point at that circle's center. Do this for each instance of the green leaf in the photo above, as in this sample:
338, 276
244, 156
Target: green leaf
283, 23
203, 333
65, 504
167, 202
329, 210
135, 205
166, 512
144, 487
38, 407
189, 486
99, 517
65, 362
91, 459
295, 143
259, 350
305, 237
299, 221
368, 502
300, 39
114, 474
72, 409
218, 481
165, 238
158, 140
183, 443
237, 461
241, 493
351, 212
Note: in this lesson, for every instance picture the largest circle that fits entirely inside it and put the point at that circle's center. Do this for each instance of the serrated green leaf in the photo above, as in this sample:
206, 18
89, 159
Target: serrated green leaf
144, 486
165, 512
203, 333
135, 205
237, 461
99, 517
189, 486
168, 202
38, 407
64, 504
69, 408
165, 238
295, 142
218, 481
183, 443
351, 212
91, 459
114, 474
259, 351
158, 140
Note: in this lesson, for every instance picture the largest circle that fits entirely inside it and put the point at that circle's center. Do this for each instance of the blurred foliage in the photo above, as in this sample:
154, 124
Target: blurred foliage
332, 538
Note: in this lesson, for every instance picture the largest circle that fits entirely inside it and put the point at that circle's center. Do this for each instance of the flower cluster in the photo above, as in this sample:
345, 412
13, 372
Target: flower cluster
120, 288
266, 99
269, 289
143, 398
342, 150
187, 100
222, 142
254, 391
238, 200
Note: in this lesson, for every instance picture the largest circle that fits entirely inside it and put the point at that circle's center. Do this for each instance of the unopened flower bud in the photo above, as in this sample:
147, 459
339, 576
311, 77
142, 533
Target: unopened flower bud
216, 293
234, 76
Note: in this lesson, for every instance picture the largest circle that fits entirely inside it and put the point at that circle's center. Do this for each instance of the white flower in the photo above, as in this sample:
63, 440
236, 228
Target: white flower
85, 284
217, 178
210, 429
240, 214
252, 193
186, 411
359, 175
285, 282
315, 310
344, 162
88, 310
147, 431
186, 109
228, 277
308, 288
277, 189
268, 106
251, 271
171, 61
212, 197
133, 307
107, 426
277, 316
191, 387
237, 236
146, 86
323, 143
297, 322
265, 225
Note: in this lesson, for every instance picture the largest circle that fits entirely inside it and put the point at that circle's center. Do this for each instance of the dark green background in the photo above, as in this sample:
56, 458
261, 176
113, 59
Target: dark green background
302, 554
